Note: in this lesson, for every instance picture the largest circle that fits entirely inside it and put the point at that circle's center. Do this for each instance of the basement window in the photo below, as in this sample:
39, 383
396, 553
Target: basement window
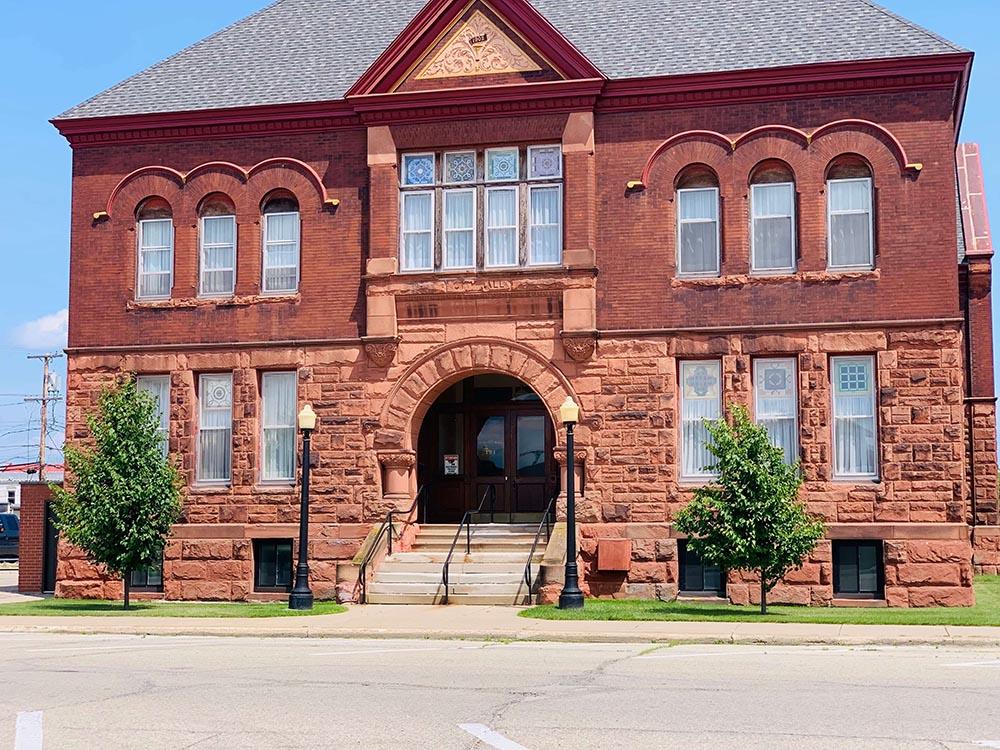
698, 577
147, 579
272, 565
858, 569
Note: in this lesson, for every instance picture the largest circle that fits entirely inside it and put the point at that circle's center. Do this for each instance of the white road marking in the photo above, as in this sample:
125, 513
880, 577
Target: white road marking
28, 734
989, 743
992, 663
99, 648
494, 739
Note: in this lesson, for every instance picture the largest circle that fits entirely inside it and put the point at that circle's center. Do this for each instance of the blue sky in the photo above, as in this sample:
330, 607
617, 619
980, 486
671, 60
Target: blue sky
58, 53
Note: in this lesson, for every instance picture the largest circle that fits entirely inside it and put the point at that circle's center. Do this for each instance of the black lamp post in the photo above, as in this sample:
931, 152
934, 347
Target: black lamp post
571, 597
302, 596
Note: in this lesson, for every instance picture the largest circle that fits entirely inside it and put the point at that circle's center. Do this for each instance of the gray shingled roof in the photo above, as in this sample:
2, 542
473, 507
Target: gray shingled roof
314, 50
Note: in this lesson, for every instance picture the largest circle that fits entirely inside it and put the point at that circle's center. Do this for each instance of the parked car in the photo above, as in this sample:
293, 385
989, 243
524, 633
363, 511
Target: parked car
10, 535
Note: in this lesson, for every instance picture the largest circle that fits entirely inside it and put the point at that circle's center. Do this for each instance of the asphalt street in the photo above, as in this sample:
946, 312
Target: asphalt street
69, 691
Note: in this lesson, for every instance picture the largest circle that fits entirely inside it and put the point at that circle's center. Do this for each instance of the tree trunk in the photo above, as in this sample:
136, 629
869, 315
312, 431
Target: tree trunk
128, 585
763, 596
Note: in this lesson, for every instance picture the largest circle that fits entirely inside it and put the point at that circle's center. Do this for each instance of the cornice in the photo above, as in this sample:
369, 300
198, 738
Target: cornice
797, 81
665, 92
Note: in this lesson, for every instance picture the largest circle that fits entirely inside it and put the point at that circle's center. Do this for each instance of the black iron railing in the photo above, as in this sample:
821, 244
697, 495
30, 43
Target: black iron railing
386, 532
491, 494
545, 523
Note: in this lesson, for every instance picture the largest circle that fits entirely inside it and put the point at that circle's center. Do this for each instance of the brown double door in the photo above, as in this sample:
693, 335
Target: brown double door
470, 450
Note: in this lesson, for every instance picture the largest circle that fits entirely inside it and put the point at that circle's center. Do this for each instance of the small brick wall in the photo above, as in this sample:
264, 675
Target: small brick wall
34, 497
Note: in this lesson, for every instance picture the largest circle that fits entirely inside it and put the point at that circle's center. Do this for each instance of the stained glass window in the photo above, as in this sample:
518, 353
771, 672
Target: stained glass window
854, 442
418, 169
775, 403
460, 167
502, 165
544, 162
700, 401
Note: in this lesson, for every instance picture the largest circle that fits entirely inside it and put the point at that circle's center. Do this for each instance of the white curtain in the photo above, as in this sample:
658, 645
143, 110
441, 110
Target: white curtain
279, 401
854, 417
418, 231
281, 252
776, 403
546, 225
156, 257
218, 255
215, 428
698, 218
700, 401
158, 386
501, 227
850, 206
773, 226
459, 228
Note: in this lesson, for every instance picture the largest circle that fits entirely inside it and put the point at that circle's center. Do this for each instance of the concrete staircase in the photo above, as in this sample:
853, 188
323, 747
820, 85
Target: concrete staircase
492, 574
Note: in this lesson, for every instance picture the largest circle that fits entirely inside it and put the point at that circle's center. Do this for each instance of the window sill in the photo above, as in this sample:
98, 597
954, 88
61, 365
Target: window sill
274, 488
701, 596
188, 303
842, 600
210, 489
831, 276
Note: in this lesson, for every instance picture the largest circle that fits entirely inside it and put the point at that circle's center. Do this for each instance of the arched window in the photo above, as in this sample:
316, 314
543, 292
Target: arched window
281, 243
155, 262
698, 222
849, 212
772, 218
218, 246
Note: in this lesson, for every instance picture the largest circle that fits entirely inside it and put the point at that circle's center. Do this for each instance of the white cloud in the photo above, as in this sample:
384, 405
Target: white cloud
46, 332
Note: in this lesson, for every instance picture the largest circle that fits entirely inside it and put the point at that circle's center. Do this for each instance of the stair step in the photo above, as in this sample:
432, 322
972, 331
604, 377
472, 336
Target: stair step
390, 564
439, 556
464, 599
411, 576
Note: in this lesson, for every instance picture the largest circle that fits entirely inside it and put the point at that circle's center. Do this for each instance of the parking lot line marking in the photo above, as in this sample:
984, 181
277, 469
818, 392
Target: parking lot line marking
28, 732
494, 739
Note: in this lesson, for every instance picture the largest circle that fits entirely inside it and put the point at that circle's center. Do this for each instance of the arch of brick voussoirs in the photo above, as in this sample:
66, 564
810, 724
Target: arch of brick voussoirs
437, 370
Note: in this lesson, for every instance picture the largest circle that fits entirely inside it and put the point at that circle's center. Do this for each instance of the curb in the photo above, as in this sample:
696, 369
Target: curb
960, 640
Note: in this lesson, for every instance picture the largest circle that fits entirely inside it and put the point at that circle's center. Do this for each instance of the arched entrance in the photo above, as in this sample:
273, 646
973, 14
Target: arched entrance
487, 431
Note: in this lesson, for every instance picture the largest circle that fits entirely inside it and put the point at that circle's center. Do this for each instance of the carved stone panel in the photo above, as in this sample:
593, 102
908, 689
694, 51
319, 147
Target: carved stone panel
479, 47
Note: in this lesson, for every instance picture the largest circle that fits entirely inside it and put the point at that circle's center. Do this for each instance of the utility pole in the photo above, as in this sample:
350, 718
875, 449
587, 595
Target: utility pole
48, 394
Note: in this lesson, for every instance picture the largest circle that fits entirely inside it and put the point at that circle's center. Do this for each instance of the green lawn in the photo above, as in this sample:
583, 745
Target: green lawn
100, 608
986, 611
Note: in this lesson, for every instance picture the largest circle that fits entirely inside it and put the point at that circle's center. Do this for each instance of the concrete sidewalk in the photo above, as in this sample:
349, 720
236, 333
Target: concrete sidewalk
502, 623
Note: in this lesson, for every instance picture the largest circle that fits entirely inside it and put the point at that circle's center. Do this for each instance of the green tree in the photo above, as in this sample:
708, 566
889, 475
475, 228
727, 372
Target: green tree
750, 517
125, 493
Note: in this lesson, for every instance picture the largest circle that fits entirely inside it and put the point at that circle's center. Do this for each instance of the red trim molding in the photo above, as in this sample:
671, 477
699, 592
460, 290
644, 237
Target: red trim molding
244, 174
435, 18
891, 141
465, 103
592, 91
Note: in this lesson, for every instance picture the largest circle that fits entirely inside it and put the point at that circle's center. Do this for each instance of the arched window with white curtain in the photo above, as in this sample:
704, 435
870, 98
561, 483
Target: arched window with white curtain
772, 218
217, 246
698, 235
850, 214
155, 241
281, 244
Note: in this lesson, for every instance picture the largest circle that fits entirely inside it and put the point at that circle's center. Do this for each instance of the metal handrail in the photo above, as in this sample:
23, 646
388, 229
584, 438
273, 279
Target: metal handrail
491, 492
384, 529
548, 535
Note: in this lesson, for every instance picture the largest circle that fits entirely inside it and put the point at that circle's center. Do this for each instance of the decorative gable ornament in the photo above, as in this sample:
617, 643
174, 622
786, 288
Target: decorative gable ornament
479, 47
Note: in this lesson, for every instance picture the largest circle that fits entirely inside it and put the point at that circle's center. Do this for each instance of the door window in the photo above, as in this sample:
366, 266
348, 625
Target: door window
490, 448
531, 446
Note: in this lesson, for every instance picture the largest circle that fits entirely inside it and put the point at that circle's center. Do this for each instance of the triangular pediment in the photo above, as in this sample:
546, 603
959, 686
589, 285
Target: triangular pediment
478, 47
470, 43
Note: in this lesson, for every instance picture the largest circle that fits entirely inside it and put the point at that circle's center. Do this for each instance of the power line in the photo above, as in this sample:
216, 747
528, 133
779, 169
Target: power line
49, 393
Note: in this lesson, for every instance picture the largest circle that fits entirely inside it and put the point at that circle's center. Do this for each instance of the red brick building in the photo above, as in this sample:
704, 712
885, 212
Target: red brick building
434, 223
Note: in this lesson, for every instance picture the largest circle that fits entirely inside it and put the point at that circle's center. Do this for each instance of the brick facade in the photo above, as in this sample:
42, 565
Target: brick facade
373, 348
35, 498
